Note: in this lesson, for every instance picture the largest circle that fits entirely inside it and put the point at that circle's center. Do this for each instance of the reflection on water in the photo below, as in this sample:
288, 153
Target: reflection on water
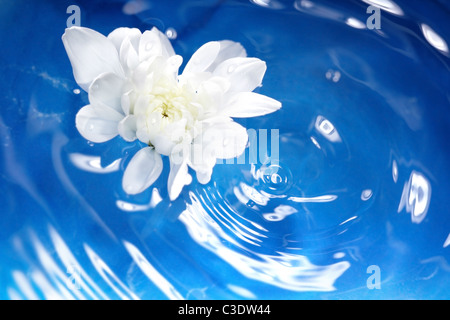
416, 197
132, 207
447, 241
285, 270
355, 23
108, 275
133, 7
153, 275
325, 198
317, 9
327, 129
82, 279
434, 39
93, 163
246, 193
387, 5
66, 278
280, 213
394, 171
272, 4
366, 194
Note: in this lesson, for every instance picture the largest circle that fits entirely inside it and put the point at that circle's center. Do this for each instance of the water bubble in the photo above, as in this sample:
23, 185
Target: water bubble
171, 33
339, 255
366, 194
333, 75
77, 91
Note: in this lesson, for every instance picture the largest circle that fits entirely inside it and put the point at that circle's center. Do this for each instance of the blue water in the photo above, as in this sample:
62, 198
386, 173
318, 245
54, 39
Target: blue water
362, 191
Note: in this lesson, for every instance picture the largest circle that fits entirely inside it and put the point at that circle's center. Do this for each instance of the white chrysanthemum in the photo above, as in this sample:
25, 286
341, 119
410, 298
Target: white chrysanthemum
135, 91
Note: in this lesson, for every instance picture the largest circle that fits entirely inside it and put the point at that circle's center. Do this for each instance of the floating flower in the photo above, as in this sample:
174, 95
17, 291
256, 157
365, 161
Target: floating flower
135, 91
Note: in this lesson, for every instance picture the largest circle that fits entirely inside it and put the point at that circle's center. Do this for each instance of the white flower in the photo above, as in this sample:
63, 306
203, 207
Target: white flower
135, 91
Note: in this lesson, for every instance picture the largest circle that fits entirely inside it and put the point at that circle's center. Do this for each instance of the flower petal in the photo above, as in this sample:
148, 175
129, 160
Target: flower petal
128, 55
202, 58
141, 75
178, 176
125, 101
244, 74
204, 176
202, 152
120, 34
107, 113
167, 49
173, 64
143, 169
250, 104
229, 139
93, 126
154, 43
165, 140
211, 92
127, 128
228, 49
90, 54
106, 90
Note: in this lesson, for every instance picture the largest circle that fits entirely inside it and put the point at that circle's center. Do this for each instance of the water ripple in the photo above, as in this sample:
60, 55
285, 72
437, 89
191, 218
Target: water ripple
289, 271
146, 267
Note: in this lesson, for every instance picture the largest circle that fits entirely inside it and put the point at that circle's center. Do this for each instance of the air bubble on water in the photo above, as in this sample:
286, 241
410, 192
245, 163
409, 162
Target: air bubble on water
339, 255
276, 179
366, 194
333, 75
171, 33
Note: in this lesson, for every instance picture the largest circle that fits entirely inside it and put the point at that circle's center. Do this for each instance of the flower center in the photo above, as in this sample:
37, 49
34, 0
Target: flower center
165, 109
172, 115
168, 108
